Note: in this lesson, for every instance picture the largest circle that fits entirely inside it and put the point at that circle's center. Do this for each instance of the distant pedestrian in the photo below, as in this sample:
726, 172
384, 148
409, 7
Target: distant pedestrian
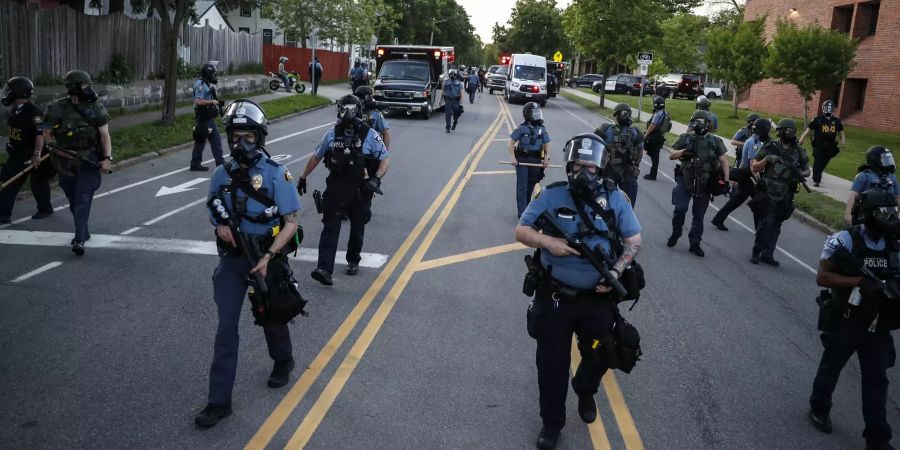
206, 108
452, 100
472, 86
315, 75
825, 129
357, 76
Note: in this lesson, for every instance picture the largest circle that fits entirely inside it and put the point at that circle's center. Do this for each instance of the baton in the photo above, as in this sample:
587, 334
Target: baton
21, 174
555, 166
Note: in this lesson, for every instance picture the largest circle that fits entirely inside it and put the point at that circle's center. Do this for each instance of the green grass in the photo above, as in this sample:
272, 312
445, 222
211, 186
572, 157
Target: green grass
844, 165
824, 208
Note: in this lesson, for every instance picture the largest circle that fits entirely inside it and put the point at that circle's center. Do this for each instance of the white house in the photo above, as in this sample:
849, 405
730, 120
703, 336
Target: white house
211, 16
256, 20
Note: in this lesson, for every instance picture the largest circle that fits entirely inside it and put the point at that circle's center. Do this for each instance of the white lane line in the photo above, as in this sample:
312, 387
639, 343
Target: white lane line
37, 271
272, 141
174, 211
751, 230
150, 244
500, 140
129, 231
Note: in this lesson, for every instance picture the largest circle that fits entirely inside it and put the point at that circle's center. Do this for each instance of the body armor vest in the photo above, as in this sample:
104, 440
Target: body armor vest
883, 263
780, 182
624, 153
703, 162
346, 163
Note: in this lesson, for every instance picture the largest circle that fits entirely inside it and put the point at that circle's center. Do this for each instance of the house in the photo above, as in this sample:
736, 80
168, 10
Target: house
210, 15
259, 20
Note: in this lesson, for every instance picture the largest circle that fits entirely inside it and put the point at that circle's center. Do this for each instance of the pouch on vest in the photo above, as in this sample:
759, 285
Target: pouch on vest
828, 312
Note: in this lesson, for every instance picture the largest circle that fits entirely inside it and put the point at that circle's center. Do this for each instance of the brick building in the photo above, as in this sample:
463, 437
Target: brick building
869, 96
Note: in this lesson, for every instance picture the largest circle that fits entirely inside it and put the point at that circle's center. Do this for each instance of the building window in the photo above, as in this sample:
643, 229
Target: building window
244, 29
855, 94
290, 39
266, 11
267, 36
246, 9
842, 18
866, 19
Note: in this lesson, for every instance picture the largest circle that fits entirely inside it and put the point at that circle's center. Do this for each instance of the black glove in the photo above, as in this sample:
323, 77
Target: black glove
301, 186
360, 127
374, 184
870, 288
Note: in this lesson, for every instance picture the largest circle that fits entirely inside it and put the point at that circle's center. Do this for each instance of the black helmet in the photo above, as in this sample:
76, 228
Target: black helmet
75, 81
762, 127
245, 115
751, 118
880, 159
17, 87
786, 129
621, 108
364, 94
76, 78
875, 206
658, 103
828, 107
208, 73
699, 122
532, 112
349, 107
703, 103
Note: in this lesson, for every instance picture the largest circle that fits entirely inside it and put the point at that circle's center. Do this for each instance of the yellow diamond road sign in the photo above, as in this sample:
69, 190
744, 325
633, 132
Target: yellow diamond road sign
557, 56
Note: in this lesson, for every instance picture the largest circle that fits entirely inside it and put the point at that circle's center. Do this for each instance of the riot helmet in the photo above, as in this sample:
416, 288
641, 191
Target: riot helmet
364, 94
751, 119
283, 59
828, 108
79, 84
658, 103
348, 108
533, 114
16, 88
879, 159
699, 122
703, 103
877, 209
762, 128
586, 157
622, 114
787, 131
240, 117
208, 74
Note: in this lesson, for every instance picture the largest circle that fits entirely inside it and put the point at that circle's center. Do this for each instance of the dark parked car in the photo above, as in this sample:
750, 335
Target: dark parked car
624, 84
681, 85
586, 80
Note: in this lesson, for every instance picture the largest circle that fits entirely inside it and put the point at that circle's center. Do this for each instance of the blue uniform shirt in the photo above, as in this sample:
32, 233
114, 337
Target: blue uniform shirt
372, 146
530, 137
473, 82
752, 146
453, 89
713, 120
274, 181
741, 135
658, 117
843, 239
357, 73
575, 271
377, 121
202, 91
867, 177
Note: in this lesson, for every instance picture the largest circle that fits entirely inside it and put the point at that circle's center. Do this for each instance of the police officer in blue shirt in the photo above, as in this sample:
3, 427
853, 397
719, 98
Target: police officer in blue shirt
357, 75
452, 100
357, 160
741, 175
703, 104
741, 136
877, 172
245, 185
571, 296
655, 137
206, 108
372, 116
472, 85
529, 144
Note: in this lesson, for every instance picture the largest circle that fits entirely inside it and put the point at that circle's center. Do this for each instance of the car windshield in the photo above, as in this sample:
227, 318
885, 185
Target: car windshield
404, 70
502, 70
530, 73
493, 69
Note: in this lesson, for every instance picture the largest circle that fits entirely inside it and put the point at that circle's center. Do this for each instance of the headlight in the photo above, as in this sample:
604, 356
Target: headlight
419, 95
378, 92
514, 84
543, 87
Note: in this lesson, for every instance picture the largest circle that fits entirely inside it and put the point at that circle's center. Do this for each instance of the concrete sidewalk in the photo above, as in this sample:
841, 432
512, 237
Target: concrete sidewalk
832, 186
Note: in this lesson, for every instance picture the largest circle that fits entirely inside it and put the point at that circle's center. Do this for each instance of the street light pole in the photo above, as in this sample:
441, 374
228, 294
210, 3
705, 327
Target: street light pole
433, 23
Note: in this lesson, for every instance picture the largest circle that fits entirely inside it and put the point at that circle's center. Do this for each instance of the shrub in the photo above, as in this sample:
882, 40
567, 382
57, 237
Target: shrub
118, 72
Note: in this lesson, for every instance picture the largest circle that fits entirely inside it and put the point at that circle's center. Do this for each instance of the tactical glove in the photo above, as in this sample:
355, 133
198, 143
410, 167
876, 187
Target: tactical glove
870, 288
301, 186
374, 184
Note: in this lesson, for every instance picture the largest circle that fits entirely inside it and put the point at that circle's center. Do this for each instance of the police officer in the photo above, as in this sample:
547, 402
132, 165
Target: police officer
626, 146
573, 297
472, 85
452, 100
741, 136
245, 185
775, 161
703, 104
877, 172
206, 108
26, 146
79, 124
482, 78
857, 318
282, 73
372, 116
825, 129
702, 157
357, 76
741, 175
352, 151
315, 74
655, 137
529, 143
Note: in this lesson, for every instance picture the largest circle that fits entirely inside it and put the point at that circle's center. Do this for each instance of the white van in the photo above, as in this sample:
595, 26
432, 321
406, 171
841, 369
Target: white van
527, 79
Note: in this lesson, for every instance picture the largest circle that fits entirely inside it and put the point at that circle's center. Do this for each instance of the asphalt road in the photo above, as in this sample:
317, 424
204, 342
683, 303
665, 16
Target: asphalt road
426, 347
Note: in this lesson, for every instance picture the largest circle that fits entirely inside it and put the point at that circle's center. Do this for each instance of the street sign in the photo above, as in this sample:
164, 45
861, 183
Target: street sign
643, 70
645, 58
557, 56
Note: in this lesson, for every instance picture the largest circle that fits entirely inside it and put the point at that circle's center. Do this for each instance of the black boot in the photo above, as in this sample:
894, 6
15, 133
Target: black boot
455, 120
548, 439
587, 408
719, 225
695, 249
281, 373
822, 421
768, 259
322, 276
78, 247
672, 241
754, 258
352, 269
212, 414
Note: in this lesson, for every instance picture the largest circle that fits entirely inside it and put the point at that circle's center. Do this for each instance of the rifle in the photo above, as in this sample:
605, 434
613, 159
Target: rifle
71, 154
258, 287
695, 172
596, 256
796, 173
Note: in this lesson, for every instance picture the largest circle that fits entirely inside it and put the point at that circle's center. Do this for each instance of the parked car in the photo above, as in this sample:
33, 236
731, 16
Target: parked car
624, 83
497, 78
680, 85
712, 93
586, 80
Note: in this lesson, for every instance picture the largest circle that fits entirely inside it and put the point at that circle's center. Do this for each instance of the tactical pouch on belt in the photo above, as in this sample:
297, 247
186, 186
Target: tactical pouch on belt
206, 112
284, 301
536, 274
628, 345
633, 280
828, 312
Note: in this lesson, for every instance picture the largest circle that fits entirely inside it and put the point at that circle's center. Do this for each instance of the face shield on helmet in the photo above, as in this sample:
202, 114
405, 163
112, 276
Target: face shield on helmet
347, 111
828, 108
887, 161
586, 157
536, 115
246, 126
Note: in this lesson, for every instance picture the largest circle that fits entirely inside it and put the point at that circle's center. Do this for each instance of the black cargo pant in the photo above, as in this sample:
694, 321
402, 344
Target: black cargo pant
822, 154
876, 354
40, 183
358, 211
738, 197
552, 324
653, 147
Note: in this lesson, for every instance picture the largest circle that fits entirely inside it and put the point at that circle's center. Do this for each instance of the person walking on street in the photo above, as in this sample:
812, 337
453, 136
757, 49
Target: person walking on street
825, 129
655, 137
529, 143
315, 75
207, 107
452, 100
25, 147
472, 86
741, 175
79, 125
626, 148
357, 76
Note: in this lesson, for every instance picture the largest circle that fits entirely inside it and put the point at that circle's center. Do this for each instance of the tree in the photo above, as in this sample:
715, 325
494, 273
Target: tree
811, 58
678, 46
417, 19
533, 27
738, 56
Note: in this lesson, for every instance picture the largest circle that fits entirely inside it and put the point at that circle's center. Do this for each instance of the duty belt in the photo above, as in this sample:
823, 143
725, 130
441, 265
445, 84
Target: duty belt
561, 292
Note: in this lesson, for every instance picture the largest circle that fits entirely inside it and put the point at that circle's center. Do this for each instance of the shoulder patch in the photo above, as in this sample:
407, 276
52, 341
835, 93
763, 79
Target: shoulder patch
834, 242
37, 120
287, 176
557, 184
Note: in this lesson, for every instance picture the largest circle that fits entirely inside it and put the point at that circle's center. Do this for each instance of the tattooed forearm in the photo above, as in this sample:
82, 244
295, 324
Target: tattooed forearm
631, 247
290, 218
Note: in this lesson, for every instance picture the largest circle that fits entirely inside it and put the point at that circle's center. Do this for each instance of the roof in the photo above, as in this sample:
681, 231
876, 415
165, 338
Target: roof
204, 7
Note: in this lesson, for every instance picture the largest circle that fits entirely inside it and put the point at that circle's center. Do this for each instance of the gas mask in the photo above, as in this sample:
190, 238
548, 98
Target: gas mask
699, 126
244, 148
8, 99
84, 93
347, 112
884, 221
623, 119
583, 183
788, 135
537, 117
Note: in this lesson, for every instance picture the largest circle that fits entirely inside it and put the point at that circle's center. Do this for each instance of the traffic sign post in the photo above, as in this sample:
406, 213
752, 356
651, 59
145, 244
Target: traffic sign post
558, 56
644, 59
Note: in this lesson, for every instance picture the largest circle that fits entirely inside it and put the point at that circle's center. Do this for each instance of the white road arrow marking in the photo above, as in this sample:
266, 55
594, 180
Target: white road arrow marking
183, 187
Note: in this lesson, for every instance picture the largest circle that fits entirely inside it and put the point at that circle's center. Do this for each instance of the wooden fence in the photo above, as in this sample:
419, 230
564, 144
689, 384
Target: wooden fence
336, 65
49, 43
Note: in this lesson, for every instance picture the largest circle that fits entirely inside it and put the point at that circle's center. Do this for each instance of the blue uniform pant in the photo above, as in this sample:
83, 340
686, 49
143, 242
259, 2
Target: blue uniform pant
552, 325
526, 178
472, 96
450, 110
876, 354
285, 80
653, 148
80, 189
229, 290
359, 212
40, 184
768, 229
629, 186
206, 130
682, 198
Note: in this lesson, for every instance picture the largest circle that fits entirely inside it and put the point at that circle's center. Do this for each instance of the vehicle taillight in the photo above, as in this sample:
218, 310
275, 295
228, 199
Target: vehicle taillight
437, 54
380, 52
637, 85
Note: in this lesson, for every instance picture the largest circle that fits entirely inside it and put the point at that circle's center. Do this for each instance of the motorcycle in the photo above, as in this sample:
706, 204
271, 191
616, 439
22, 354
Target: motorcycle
275, 83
